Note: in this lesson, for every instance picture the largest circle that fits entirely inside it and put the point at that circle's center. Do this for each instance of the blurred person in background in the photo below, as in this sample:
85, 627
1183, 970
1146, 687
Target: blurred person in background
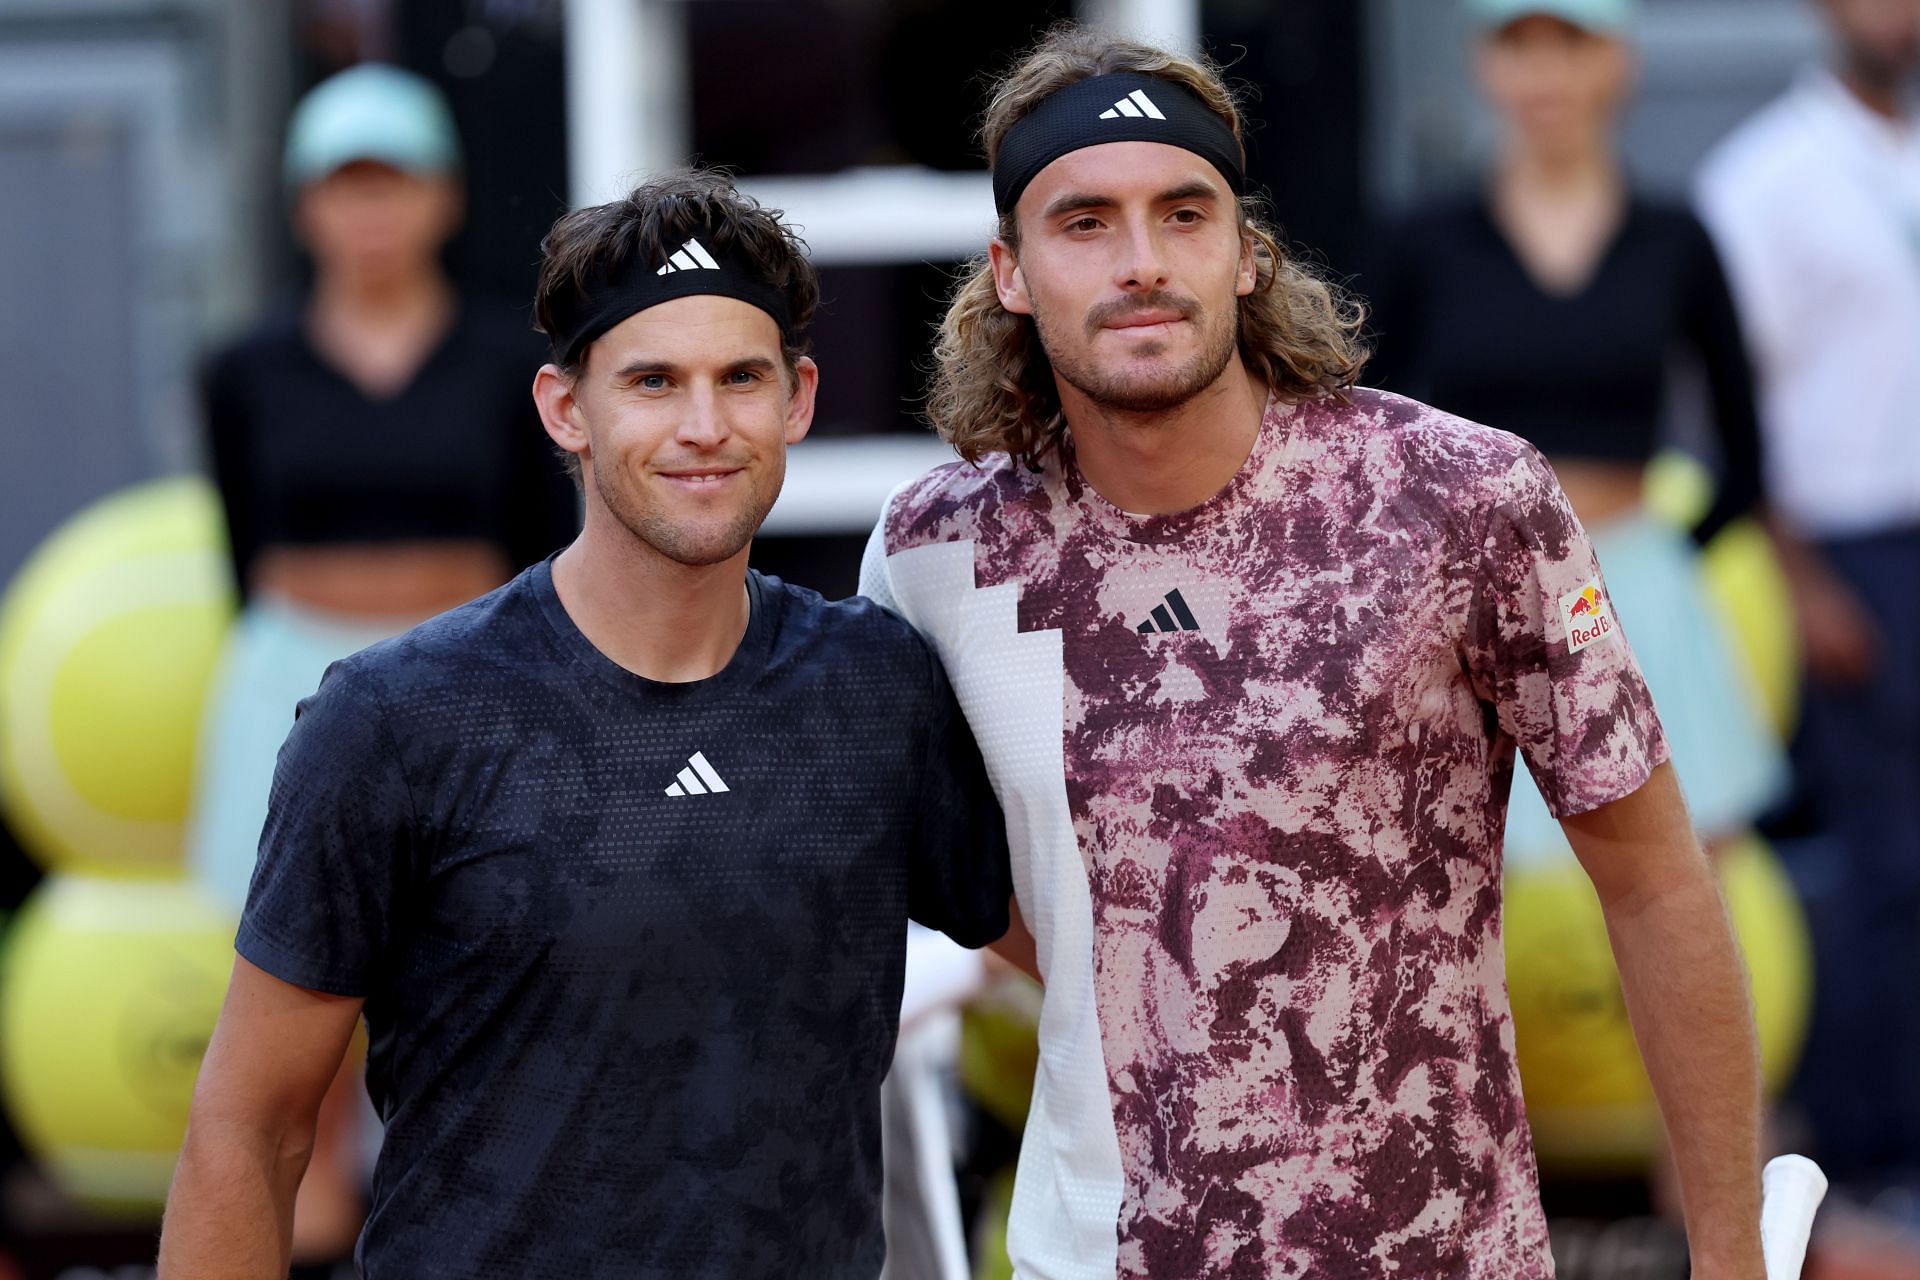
1251, 652
1554, 303
1815, 202
379, 461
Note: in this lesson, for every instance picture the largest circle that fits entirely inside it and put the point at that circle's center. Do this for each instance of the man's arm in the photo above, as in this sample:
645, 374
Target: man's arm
1016, 946
1686, 994
274, 1052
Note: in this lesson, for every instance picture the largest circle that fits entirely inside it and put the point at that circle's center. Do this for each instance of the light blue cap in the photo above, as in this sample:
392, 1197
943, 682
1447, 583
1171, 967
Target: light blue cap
371, 112
1607, 16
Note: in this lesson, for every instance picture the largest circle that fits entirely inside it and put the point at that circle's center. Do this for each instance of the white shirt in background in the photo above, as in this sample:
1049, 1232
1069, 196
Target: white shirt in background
1815, 206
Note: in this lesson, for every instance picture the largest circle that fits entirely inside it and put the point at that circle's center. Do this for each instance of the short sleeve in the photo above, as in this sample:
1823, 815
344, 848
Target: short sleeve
1547, 652
337, 842
960, 880
876, 583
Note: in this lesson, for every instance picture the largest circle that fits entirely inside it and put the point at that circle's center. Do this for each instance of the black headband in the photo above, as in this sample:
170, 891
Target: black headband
1126, 106
612, 295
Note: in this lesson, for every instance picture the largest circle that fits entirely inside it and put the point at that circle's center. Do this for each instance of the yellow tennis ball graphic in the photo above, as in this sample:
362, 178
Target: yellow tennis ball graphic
108, 639
1747, 587
1751, 595
109, 990
1589, 1102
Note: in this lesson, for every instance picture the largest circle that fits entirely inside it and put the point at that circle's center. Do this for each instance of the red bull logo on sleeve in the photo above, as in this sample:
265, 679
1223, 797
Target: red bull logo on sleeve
1588, 617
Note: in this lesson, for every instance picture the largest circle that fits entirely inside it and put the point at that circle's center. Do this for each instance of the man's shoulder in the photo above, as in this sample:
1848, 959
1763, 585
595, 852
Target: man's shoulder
950, 502
494, 632
1765, 154
1424, 445
854, 636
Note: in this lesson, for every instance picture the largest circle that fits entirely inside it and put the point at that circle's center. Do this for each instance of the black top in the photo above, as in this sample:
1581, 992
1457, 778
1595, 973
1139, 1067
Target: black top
302, 455
632, 952
1460, 323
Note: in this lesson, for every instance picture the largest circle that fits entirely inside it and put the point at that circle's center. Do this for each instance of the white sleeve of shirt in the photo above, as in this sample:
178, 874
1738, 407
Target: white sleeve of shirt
876, 580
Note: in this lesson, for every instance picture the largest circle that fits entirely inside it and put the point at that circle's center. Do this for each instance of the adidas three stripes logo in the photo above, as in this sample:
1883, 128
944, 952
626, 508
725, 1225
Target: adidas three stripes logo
691, 256
697, 779
1170, 616
1136, 105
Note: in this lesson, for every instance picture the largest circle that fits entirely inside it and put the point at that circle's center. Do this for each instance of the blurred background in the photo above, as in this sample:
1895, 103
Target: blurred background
147, 224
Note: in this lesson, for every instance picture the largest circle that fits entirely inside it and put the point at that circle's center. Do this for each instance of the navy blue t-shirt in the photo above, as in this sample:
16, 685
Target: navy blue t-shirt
631, 952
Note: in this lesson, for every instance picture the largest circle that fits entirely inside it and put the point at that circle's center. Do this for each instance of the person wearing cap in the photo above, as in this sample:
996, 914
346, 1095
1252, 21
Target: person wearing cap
1250, 651
377, 461
617, 859
1815, 202
1556, 303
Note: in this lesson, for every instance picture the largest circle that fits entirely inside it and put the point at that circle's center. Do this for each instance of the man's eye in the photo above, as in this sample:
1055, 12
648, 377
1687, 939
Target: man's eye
1083, 224
743, 377
652, 382
1187, 216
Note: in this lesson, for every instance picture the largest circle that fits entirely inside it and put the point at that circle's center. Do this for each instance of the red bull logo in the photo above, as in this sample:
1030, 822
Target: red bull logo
1588, 617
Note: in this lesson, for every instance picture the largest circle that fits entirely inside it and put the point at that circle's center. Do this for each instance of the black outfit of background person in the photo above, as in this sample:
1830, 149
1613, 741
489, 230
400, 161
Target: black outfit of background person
1461, 324
303, 456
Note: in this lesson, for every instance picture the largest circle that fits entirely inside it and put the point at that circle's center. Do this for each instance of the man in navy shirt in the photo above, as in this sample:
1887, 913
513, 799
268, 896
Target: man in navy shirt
618, 859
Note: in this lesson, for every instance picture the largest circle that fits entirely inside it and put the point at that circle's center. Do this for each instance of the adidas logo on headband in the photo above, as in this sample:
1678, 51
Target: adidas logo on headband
1135, 104
691, 256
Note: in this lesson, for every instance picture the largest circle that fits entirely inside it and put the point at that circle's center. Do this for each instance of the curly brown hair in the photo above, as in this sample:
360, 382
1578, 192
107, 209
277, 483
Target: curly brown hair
993, 387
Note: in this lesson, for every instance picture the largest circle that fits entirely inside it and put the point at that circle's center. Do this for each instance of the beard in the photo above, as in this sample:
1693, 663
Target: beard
1154, 391
693, 543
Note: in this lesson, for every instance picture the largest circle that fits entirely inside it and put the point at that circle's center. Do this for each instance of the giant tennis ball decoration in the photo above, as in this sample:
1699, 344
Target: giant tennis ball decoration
1589, 1103
109, 990
108, 639
1750, 592
1747, 586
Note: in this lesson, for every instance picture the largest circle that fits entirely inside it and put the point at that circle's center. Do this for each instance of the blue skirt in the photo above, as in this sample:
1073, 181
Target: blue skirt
1731, 766
275, 656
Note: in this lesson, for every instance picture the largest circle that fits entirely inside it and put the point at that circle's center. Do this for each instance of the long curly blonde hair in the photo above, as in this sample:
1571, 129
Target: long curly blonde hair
993, 387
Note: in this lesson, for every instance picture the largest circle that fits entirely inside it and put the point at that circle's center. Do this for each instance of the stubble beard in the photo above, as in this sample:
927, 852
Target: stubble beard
1150, 393
692, 546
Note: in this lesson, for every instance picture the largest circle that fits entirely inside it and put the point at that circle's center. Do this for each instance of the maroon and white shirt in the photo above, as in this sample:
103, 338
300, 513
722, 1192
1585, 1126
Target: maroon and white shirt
1254, 759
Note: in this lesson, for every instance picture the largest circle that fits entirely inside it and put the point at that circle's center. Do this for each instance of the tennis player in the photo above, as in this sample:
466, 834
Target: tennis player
1250, 653
617, 860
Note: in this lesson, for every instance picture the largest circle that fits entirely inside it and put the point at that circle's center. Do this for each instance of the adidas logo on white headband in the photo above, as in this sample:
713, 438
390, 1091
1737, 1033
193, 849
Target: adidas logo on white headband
691, 256
1135, 104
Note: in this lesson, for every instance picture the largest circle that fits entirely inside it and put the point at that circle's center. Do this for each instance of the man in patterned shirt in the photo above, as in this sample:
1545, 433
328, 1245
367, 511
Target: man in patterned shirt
1249, 652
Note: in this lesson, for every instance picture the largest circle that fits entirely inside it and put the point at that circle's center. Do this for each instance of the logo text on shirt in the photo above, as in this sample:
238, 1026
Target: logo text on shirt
1588, 617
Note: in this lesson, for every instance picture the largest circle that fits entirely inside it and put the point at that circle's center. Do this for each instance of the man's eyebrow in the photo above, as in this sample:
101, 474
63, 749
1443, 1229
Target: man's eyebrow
1075, 201
1198, 189
1079, 201
641, 368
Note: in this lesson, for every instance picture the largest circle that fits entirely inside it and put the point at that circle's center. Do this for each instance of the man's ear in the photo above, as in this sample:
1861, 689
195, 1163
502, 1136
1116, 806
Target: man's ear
806, 385
1248, 275
1008, 280
553, 395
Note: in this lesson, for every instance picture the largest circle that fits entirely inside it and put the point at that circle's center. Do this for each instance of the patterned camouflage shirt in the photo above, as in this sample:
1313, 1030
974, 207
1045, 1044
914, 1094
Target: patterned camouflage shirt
1255, 759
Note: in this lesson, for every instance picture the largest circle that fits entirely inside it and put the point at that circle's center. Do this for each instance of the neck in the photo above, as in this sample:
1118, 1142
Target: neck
1873, 89
1159, 463
415, 296
1570, 173
658, 618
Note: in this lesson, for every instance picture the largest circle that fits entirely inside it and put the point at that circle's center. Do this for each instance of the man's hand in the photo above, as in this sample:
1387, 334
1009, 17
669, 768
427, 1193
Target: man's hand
1839, 642
1686, 993
274, 1052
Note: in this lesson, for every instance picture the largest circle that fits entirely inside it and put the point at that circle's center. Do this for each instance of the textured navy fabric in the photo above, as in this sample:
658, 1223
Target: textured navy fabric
618, 1032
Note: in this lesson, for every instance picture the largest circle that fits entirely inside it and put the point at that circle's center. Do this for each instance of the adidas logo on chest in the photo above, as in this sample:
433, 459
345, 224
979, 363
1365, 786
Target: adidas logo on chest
699, 778
1171, 614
